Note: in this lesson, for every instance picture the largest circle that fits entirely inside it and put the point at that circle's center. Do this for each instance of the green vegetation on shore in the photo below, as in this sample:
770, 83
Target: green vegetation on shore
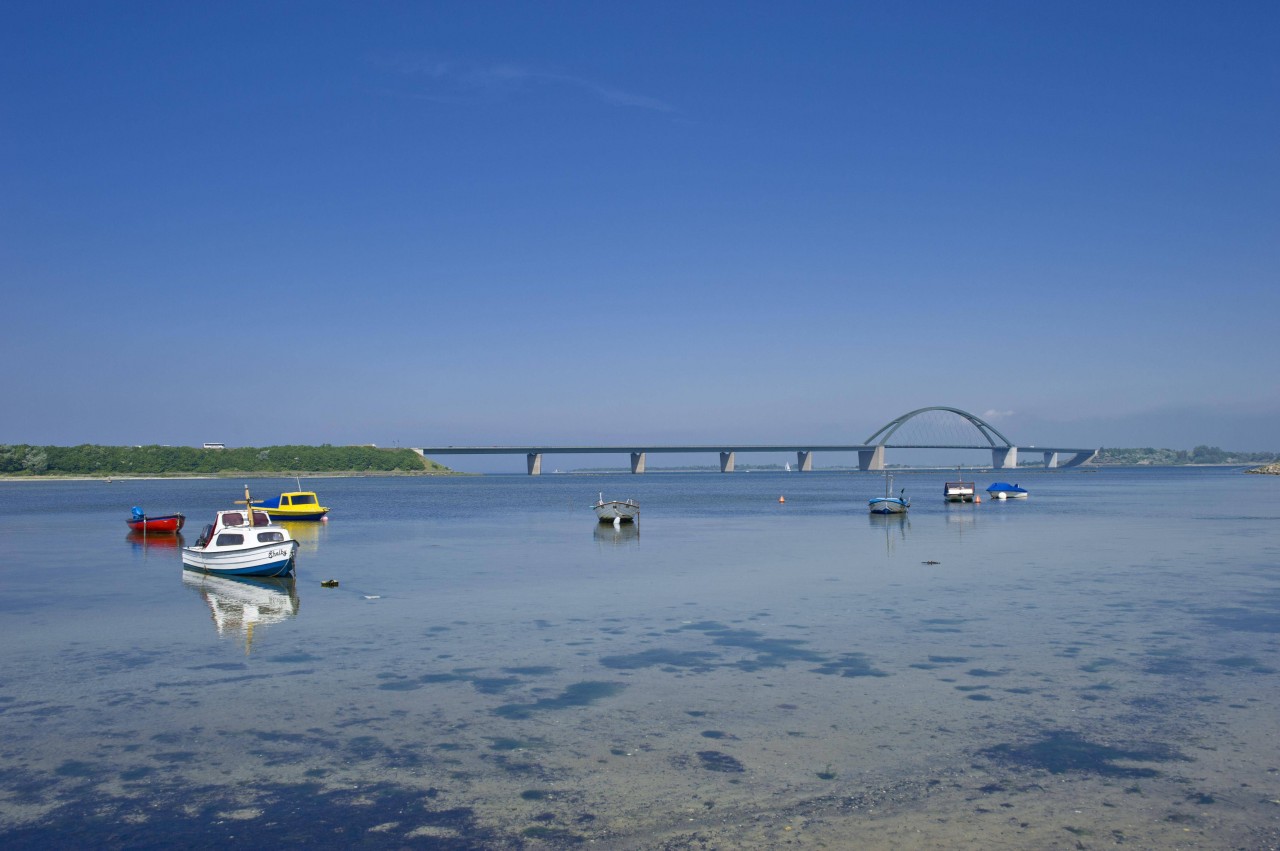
93, 460
1179, 457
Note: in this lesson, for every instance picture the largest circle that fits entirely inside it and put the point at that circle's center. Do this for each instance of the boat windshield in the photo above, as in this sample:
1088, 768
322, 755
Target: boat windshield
304, 499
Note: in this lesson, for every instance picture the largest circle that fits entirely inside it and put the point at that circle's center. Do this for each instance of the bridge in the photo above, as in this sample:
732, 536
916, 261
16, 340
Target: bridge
871, 453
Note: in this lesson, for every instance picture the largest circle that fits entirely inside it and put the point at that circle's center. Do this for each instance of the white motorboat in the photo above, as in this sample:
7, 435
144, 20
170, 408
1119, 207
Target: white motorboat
889, 504
243, 543
616, 511
960, 491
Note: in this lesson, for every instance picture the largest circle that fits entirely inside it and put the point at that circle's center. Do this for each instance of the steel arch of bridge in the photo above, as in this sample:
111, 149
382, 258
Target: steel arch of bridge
986, 429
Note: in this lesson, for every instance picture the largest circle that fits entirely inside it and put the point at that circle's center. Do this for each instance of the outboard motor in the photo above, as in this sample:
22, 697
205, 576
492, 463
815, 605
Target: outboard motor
205, 534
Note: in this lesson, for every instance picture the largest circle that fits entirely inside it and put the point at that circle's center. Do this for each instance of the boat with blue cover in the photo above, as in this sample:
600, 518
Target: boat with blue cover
1004, 490
889, 504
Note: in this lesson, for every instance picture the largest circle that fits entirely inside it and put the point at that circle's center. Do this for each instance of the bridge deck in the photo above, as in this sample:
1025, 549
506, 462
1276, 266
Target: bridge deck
870, 456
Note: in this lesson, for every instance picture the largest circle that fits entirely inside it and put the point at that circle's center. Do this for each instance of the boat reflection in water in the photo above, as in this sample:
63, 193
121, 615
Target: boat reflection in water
623, 533
141, 542
239, 604
308, 534
895, 528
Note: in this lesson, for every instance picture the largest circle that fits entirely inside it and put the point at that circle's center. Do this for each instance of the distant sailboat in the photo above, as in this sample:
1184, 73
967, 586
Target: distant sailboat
787, 467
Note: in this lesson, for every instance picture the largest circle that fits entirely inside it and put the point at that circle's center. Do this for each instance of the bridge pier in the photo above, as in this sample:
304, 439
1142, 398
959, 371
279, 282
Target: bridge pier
1050, 460
535, 463
871, 459
637, 462
804, 460
726, 462
1081, 458
1004, 457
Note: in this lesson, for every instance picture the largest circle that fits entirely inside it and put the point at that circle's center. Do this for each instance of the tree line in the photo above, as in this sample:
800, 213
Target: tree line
1177, 457
93, 460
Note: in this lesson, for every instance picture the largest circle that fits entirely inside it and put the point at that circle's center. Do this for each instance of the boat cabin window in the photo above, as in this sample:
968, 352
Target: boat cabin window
227, 538
304, 499
269, 537
233, 518
260, 518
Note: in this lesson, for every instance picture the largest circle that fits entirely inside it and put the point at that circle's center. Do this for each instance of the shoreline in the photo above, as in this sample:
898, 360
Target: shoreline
180, 477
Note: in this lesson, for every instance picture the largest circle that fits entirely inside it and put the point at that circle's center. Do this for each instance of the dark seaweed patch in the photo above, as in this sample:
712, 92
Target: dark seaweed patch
502, 743
306, 815
399, 685
850, 665
660, 656
983, 672
1247, 620
578, 694
76, 768
553, 834
494, 685
1061, 751
294, 658
717, 761
948, 660
1097, 665
1168, 664
770, 652
1246, 662
441, 678
531, 670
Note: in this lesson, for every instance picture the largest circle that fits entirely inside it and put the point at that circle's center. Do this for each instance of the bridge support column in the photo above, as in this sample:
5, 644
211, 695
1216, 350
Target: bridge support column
1081, 458
871, 459
637, 462
535, 463
804, 461
1050, 460
1004, 457
726, 462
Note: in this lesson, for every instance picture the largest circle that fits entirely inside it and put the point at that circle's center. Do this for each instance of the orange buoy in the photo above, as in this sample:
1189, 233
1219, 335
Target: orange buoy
782, 499
977, 498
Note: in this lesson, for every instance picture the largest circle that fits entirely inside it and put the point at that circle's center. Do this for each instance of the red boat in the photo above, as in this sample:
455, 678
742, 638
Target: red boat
165, 524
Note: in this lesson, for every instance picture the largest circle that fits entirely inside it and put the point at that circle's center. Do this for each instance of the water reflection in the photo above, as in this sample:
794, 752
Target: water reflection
895, 528
142, 543
623, 533
238, 604
308, 534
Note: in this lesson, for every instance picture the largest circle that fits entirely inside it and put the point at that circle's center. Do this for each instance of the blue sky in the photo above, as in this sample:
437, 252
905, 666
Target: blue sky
490, 223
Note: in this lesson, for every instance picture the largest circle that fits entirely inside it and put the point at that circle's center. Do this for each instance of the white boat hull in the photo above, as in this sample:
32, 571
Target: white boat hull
888, 505
1008, 495
273, 559
608, 512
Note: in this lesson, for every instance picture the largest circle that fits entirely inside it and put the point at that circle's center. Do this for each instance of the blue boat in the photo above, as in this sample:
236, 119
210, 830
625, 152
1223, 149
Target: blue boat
889, 504
1004, 490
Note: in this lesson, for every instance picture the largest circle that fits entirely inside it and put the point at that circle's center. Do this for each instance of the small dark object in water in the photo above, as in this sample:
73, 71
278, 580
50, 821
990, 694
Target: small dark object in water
329, 583
931, 561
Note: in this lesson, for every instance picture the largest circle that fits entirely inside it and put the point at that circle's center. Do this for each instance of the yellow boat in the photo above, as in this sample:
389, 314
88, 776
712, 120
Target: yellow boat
294, 505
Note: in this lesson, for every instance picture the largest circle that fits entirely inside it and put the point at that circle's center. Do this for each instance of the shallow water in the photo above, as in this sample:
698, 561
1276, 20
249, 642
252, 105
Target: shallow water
1096, 665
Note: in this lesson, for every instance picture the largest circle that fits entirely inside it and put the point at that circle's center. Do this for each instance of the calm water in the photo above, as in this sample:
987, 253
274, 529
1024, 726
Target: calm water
1095, 666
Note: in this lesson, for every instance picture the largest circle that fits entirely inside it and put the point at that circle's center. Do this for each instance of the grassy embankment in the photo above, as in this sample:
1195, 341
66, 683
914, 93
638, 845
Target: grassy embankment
93, 461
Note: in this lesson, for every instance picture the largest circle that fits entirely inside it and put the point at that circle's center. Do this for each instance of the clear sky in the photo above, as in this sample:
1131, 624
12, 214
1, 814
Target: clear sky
414, 223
